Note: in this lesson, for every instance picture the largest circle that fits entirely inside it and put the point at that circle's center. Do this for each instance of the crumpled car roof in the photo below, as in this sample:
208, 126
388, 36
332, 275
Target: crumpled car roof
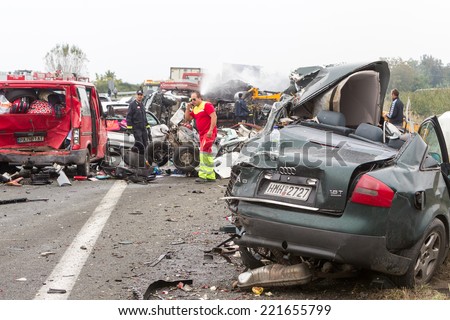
317, 80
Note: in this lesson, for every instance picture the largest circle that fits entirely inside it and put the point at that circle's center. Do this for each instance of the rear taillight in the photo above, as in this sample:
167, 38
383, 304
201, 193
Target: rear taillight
76, 139
372, 192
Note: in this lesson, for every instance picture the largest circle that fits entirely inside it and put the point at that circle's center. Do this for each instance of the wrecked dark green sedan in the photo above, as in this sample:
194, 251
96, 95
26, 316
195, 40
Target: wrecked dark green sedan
341, 190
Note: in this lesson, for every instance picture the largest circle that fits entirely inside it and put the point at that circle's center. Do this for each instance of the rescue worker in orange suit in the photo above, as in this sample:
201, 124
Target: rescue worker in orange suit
137, 122
206, 121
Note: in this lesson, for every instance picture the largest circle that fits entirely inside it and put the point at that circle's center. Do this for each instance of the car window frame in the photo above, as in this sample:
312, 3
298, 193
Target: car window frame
84, 98
152, 116
433, 121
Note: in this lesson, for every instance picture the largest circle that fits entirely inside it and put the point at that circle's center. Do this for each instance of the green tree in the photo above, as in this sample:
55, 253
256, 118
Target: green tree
110, 74
432, 69
446, 76
66, 58
101, 82
413, 75
403, 77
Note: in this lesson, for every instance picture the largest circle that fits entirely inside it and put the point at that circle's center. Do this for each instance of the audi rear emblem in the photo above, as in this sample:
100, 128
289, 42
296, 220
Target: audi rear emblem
287, 170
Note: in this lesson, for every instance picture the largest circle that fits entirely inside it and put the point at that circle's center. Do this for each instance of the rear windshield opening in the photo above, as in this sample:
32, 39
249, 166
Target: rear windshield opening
32, 101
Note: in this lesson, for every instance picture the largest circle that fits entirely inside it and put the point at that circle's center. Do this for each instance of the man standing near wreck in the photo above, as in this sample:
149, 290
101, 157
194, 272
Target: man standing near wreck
240, 109
206, 121
137, 122
395, 114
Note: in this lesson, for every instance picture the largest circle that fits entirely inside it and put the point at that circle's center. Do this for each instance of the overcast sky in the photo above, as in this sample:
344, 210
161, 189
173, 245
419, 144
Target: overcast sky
141, 40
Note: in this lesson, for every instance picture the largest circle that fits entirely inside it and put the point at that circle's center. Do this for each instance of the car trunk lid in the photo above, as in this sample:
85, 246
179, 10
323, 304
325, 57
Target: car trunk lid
324, 165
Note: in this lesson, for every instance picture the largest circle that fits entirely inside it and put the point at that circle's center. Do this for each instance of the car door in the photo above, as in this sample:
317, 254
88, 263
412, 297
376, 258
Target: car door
86, 118
433, 135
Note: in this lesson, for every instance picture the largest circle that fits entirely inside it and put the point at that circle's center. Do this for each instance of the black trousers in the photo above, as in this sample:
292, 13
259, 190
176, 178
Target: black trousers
140, 139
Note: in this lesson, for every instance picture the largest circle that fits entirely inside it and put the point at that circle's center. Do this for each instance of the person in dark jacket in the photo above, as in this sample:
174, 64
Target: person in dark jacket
137, 122
240, 109
395, 114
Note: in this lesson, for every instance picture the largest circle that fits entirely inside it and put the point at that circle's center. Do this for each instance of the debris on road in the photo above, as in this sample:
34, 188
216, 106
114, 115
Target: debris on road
135, 175
137, 294
15, 182
164, 284
176, 242
31, 175
47, 253
56, 291
62, 177
126, 242
225, 250
208, 256
258, 290
20, 200
5, 177
154, 263
185, 287
42, 178
136, 213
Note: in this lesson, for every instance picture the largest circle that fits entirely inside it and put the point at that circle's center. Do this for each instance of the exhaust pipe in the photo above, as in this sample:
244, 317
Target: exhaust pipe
276, 275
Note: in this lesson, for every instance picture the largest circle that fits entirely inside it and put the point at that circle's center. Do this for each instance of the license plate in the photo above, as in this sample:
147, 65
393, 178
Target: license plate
30, 139
288, 191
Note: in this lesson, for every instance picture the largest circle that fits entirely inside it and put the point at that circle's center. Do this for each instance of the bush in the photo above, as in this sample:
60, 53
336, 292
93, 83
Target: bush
425, 102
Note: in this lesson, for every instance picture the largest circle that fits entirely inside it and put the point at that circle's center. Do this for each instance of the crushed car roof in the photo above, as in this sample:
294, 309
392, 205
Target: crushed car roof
316, 80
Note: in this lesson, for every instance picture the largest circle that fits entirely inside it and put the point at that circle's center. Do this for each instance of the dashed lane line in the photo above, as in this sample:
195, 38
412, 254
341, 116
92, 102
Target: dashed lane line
63, 277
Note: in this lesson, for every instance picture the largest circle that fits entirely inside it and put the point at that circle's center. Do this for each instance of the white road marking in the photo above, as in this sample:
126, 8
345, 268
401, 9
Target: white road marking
69, 267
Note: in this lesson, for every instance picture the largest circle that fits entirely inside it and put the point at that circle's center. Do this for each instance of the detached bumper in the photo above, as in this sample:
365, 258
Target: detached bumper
368, 252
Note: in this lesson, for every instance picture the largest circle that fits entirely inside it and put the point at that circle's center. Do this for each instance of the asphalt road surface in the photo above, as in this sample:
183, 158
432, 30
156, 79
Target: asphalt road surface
96, 240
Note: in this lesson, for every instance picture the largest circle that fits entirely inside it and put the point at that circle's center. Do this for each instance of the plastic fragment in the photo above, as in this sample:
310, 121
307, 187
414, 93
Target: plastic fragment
257, 290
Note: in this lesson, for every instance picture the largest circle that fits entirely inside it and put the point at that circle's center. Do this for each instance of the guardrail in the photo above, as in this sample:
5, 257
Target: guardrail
126, 93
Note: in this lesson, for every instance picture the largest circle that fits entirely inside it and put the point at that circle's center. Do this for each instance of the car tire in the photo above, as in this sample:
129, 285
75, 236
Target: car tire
19, 93
426, 257
158, 152
85, 168
186, 158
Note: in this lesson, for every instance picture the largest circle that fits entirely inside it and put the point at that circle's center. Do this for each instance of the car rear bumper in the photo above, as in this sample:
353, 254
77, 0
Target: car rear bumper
368, 252
44, 158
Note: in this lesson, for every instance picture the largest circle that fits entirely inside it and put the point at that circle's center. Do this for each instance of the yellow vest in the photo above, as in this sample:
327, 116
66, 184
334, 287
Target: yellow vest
199, 108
